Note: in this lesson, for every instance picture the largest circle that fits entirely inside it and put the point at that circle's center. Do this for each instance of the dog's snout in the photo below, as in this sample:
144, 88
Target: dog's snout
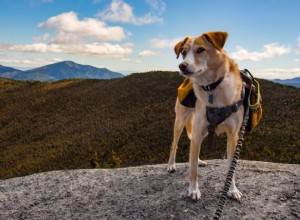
183, 66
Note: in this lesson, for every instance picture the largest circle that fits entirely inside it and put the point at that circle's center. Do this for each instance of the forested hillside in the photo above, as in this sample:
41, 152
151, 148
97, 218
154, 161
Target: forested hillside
128, 121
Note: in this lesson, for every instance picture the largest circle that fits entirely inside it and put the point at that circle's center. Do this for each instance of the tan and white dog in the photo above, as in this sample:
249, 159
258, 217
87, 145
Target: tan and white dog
205, 63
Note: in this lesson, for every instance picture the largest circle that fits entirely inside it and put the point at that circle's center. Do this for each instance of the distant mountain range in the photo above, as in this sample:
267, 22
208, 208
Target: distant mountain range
291, 82
59, 71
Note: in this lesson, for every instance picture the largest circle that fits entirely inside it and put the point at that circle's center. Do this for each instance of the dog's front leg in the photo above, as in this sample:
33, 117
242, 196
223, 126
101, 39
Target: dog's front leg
197, 138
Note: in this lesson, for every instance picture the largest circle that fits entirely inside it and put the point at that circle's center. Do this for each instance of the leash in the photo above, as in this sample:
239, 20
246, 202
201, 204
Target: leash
230, 173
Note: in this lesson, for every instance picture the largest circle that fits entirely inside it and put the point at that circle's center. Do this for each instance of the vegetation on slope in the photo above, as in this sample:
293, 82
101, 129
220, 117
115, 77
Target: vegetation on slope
74, 124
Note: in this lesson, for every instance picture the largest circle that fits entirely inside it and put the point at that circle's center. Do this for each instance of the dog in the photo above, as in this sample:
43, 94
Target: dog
206, 63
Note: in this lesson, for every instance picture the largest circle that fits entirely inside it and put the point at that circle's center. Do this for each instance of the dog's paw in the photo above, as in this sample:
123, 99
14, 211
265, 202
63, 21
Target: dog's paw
194, 194
235, 194
201, 163
171, 168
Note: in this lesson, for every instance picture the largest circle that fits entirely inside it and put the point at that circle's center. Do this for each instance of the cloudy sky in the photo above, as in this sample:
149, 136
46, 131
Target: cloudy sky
139, 35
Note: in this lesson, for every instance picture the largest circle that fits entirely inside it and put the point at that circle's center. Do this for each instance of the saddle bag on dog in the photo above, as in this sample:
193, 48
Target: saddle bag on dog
186, 95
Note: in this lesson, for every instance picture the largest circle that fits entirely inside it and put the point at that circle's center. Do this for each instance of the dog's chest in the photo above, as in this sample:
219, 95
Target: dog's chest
220, 107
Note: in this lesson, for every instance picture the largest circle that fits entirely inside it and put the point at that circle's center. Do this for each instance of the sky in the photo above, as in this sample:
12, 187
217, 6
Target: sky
139, 35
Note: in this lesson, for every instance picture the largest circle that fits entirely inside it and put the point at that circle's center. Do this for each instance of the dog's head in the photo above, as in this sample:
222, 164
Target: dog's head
201, 53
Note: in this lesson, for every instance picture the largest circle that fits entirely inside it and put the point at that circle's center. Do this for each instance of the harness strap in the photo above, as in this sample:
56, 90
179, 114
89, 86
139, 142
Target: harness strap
216, 116
210, 137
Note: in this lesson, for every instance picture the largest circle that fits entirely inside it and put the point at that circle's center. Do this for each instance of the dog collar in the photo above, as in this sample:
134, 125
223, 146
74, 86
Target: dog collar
212, 86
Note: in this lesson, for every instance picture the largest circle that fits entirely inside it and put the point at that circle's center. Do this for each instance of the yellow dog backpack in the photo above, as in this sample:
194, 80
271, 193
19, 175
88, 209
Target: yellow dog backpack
186, 97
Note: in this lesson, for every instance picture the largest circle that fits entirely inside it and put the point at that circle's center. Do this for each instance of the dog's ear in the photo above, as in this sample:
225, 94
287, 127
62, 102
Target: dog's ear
217, 39
178, 47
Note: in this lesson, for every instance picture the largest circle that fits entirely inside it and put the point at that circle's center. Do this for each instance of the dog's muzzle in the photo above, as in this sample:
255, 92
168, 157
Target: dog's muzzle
184, 68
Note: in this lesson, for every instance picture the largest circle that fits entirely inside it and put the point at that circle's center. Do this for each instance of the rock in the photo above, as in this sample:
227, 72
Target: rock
270, 191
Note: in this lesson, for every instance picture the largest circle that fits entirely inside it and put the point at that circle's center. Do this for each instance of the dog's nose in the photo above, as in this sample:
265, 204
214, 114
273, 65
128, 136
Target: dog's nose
183, 66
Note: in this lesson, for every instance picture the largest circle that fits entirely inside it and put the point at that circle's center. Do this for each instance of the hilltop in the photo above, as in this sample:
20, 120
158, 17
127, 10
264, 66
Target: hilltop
4, 69
8, 72
59, 71
270, 191
123, 122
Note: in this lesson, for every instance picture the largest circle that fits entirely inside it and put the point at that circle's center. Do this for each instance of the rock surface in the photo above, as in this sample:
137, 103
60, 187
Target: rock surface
270, 191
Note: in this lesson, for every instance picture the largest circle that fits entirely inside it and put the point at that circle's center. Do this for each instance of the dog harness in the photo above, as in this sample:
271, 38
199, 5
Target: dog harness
216, 115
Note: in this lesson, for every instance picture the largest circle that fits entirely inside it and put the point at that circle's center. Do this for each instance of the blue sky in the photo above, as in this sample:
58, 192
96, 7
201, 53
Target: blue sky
139, 35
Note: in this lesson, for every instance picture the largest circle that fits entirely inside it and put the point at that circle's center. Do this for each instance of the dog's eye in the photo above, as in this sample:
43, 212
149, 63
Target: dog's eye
200, 50
183, 53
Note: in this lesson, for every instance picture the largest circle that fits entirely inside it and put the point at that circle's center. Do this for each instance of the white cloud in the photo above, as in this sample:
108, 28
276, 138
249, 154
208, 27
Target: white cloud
161, 43
147, 53
4, 47
277, 73
41, 38
69, 25
120, 11
100, 49
29, 61
74, 36
157, 5
125, 59
17, 61
269, 51
62, 37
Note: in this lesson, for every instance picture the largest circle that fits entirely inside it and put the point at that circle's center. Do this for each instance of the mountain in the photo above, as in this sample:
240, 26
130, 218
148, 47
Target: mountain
8, 72
270, 191
127, 121
291, 82
65, 70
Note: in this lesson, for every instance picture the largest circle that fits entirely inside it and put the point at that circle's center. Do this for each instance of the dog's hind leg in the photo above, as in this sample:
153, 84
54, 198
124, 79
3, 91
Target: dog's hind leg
183, 117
